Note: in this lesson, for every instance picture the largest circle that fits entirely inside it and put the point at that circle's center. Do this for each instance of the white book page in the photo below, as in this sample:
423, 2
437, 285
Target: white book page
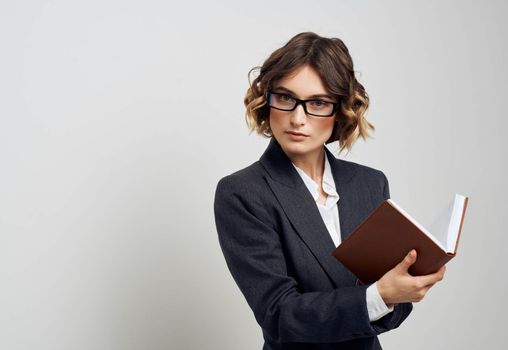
440, 227
456, 219
446, 226
423, 229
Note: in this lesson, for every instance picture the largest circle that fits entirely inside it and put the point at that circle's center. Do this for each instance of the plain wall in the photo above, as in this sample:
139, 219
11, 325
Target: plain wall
117, 119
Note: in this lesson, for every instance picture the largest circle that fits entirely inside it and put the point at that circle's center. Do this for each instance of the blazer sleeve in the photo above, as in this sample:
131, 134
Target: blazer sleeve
255, 258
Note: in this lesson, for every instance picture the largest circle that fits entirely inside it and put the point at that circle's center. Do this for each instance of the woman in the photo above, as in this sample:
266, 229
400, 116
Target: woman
279, 219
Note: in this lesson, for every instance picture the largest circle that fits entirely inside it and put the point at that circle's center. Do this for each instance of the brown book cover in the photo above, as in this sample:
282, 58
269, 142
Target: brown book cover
385, 237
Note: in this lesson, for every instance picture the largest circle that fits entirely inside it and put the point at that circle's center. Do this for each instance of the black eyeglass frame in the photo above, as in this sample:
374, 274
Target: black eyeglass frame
303, 103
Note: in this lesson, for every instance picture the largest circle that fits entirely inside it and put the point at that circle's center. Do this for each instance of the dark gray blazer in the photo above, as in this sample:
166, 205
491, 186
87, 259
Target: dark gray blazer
278, 250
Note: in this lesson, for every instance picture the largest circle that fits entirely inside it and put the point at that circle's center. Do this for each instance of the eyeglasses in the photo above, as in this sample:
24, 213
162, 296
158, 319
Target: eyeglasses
315, 107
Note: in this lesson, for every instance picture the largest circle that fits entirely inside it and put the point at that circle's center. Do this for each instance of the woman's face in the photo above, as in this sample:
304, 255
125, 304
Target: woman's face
303, 83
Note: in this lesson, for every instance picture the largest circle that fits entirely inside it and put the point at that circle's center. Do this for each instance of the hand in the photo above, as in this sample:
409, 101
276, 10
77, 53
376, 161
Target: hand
398, 286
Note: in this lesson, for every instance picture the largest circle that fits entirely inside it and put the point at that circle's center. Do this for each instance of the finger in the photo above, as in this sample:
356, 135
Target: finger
440, 273
428, 286
408, 260
431, 279
423, 292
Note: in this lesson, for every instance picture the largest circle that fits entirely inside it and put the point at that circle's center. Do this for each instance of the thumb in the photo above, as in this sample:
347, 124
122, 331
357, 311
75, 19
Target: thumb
409, 260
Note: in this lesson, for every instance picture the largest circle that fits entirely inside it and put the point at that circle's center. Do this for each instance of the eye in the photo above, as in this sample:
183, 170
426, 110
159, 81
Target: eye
285, 98
319, 104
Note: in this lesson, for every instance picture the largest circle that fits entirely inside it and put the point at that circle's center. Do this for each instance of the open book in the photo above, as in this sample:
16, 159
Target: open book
385, 237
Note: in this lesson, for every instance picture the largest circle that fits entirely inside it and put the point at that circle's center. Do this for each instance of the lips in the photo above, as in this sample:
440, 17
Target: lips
296, 133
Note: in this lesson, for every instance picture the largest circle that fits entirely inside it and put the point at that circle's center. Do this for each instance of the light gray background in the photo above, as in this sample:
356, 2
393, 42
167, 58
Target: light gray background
117, 119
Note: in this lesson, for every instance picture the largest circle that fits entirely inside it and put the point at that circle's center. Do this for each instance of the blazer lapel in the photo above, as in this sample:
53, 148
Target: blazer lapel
301, 209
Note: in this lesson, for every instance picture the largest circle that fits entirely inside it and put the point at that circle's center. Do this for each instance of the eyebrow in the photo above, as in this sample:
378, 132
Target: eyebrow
292, 93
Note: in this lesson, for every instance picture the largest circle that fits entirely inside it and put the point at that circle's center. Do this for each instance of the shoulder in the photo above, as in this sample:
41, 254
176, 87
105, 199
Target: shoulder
244, 191
244, 179
360, 171
247, 185
362, 176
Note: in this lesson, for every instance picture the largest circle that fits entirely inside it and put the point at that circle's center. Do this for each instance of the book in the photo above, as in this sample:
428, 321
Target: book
387, 235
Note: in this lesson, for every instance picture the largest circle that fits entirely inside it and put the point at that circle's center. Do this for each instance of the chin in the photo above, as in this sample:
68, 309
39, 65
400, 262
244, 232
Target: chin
298, 148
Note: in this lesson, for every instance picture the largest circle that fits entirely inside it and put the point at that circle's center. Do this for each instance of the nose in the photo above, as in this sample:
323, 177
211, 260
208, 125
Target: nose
298, 116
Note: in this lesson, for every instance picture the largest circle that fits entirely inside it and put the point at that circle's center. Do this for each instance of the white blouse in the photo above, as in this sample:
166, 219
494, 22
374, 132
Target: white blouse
376, 307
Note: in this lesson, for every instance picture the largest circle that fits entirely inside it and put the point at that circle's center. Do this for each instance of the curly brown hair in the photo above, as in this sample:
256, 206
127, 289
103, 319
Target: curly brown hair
332, 61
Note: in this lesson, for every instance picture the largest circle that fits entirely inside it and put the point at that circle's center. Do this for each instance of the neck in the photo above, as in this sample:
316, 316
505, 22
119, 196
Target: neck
312, 164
